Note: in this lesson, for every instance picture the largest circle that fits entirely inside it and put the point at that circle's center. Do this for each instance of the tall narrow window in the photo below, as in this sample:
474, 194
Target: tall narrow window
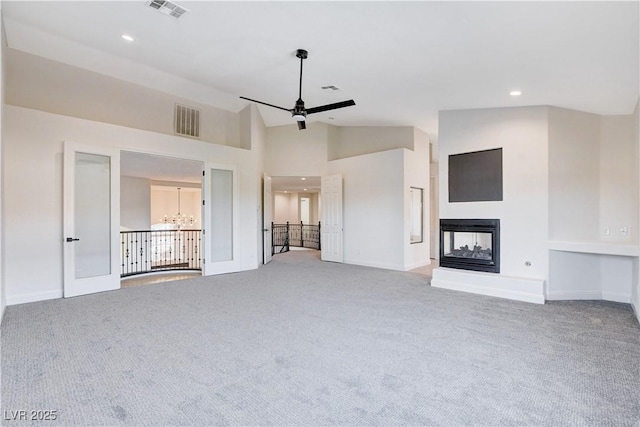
417, 214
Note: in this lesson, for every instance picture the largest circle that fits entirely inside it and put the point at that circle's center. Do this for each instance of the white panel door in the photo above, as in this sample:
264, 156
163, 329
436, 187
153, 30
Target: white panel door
267, 203
221, 220
91, 206
331, 224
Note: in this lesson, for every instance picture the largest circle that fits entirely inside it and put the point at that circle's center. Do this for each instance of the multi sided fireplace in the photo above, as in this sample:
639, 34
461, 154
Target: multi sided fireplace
470, 244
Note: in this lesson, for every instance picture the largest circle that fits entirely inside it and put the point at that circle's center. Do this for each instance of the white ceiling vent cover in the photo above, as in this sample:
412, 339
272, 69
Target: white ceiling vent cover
187, 121
167, 7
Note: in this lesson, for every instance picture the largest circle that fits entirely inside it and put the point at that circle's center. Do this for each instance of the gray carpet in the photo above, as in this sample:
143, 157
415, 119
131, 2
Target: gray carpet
301, 342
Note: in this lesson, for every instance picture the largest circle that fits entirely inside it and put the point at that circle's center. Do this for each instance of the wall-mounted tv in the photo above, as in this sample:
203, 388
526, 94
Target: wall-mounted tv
476, 176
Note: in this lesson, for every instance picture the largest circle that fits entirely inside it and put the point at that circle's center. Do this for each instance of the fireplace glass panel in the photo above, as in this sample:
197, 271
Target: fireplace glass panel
463, 244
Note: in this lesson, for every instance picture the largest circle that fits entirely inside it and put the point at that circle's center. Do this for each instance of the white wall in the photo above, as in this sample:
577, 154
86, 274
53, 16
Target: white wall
258, 140
593, 193
373, 208
135, 199
522, 134
618, 186
590, 182
314, 211
376, 190
417, 174
34, 224
574, 177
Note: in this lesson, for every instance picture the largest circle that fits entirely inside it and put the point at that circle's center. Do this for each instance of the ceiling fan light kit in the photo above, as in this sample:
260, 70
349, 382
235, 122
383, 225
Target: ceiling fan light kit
299, 112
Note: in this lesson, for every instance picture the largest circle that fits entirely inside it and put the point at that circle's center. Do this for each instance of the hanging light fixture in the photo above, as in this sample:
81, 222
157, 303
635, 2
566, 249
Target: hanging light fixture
179, 220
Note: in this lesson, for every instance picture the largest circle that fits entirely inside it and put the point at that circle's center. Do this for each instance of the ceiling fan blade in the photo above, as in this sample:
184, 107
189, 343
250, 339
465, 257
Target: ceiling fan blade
302, 125
264, 103
327, 107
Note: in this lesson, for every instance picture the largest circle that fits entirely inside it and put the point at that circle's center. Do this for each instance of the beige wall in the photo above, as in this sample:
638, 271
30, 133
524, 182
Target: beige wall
358, 140
290, 152
286, 207
164, 201
43, 84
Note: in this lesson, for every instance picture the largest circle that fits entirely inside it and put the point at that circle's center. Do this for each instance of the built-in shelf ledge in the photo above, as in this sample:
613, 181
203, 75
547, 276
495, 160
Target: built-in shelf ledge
595, 247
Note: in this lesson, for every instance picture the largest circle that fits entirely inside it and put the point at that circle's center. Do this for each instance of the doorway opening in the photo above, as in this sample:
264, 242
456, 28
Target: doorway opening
160, 218
295, 213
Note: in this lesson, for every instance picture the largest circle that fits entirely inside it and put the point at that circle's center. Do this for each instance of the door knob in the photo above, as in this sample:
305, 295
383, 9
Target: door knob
71, 239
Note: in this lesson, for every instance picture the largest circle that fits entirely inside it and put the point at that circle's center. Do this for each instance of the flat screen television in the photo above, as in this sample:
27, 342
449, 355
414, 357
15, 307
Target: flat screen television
476, 176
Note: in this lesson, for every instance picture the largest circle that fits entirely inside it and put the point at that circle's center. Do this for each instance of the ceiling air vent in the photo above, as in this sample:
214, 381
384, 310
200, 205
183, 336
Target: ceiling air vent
167, 7
187, 121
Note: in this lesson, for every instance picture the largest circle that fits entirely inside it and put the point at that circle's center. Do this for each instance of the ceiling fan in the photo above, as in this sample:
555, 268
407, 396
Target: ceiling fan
299, 113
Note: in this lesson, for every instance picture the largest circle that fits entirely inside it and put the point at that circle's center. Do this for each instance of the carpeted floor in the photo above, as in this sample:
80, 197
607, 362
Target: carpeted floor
301, 342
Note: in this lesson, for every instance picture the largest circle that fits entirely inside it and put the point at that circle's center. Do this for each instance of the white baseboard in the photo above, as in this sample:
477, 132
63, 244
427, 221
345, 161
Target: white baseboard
374, 265
577, 295
417, 265
495, 285
616, 296
33, 297
589, 295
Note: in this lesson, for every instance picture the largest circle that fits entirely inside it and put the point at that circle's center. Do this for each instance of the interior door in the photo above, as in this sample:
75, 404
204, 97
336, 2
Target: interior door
221, 220
267, 203
91, 206
331, 224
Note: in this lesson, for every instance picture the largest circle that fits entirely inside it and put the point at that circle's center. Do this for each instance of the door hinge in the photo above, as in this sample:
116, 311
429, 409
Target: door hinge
203, 203
202, 173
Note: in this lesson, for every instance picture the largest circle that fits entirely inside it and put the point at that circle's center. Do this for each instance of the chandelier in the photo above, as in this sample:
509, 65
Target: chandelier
179, 220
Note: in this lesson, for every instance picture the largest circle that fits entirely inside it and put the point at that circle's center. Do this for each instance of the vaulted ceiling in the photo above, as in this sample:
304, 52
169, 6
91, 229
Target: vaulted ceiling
401, 62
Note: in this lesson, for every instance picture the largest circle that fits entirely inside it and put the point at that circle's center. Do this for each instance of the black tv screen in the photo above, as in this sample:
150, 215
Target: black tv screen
476, 176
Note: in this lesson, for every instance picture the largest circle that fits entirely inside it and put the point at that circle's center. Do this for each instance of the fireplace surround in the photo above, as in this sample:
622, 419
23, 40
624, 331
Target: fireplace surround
470, 244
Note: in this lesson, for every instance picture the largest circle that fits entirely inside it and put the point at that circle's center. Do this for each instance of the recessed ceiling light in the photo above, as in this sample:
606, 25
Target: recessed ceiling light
303, 178
285, 191
128, 38
515, 93
305, 189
